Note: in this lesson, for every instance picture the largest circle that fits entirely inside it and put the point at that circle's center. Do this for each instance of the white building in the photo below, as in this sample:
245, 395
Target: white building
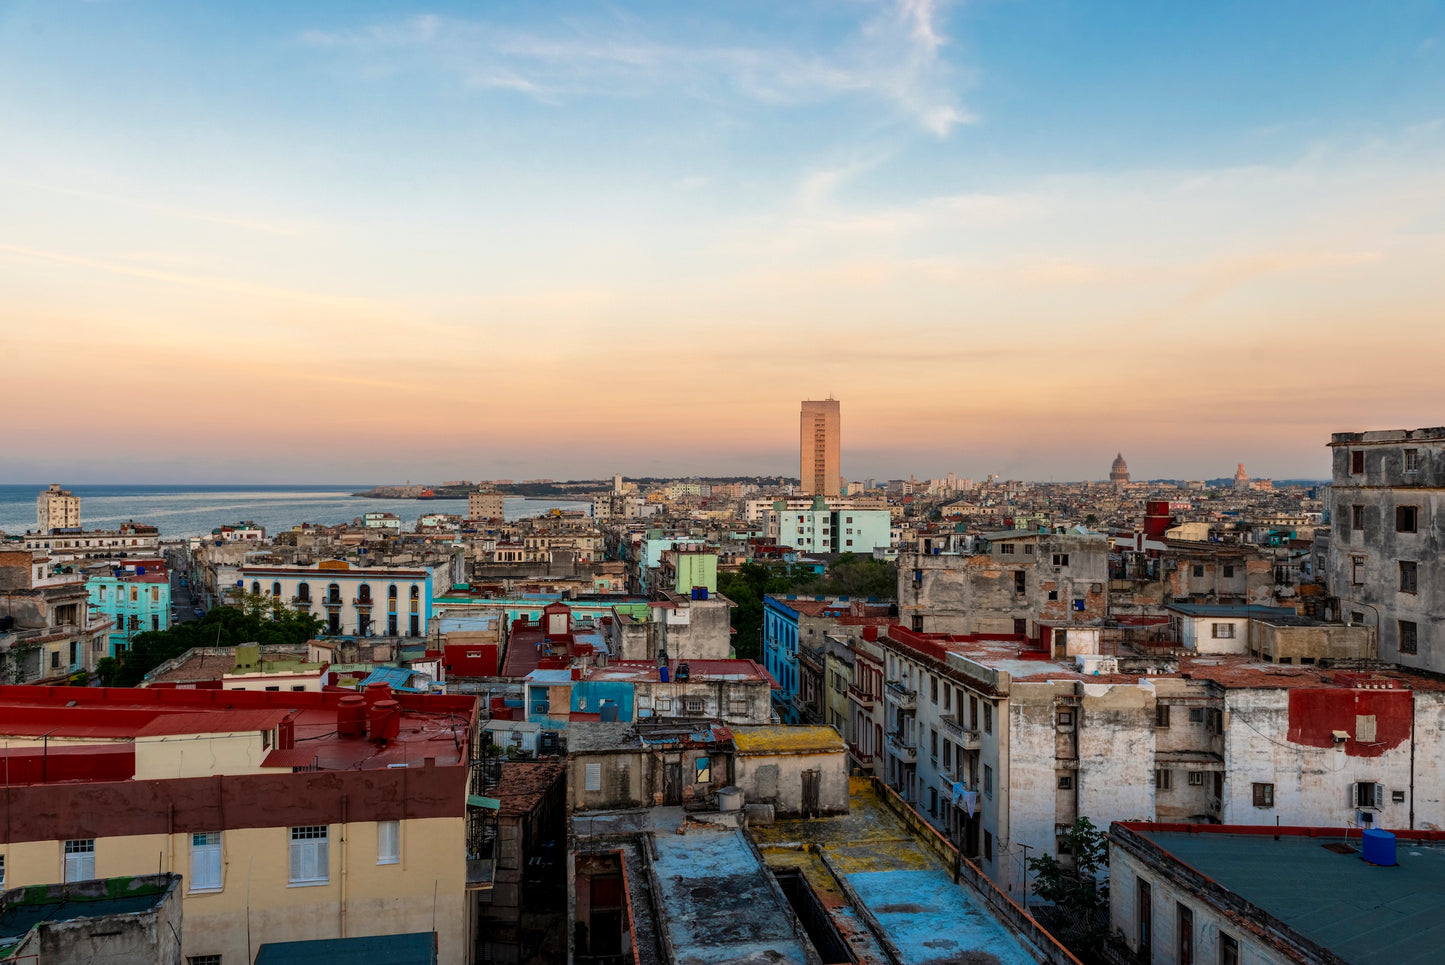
819, 529
57, 508
352, 601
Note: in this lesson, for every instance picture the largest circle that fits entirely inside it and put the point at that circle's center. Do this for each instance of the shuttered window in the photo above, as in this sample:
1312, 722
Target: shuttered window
80, 860
310, 855
206, 861
594, 776
388, 842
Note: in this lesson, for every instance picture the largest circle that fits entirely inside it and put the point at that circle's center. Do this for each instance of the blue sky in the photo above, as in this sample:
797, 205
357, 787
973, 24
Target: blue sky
1013, 237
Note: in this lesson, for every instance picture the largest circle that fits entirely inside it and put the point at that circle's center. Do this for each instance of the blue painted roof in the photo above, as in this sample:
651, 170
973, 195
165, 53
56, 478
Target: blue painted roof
417, 948
397, 678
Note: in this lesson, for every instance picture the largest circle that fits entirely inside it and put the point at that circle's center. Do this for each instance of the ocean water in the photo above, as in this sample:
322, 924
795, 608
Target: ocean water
181, 511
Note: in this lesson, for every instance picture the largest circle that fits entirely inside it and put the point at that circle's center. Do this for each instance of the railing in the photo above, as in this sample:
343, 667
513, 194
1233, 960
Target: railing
861, 697
898, 694
952, 725
859, 756
333, 601
906, 752
971, 740
363, 601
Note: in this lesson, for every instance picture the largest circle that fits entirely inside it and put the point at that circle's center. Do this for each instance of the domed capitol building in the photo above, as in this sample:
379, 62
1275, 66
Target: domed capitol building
1119, 473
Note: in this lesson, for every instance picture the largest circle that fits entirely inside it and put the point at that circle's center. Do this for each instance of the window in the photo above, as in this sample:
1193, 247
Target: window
947, 754
1411, 460
1196, 778
1006, 549
1264, 795
1161, 715
1408, 642
1198, 569
1368, 794
933, 801
1196, 715
916, 623
987, 717
988, 780
932, 688
987, 846
703, 768
1357, 570
1357, 461
310, 855
1053, 594
933, 743
1066, 782
203, 960
1185, 935
1061, 559
1365, 728
1228, 950
1357, 518
1066, 718
388, 842
2, 872
1162, 779
693, 705
1407, 576
1406, 518
206, 861
80, 860
1144, 913
593, 776
1223, 631
1020, 581
1228, 570
303, 592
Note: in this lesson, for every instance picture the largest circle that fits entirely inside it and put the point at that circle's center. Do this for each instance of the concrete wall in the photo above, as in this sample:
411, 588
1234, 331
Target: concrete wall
777, 779
1125, 872
135, 938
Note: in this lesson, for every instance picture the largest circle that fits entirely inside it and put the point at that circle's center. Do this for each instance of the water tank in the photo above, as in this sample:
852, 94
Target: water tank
662, 673
608, 710
684, 672
376, 691
351, 716
730, 798
1377, 847
384, 720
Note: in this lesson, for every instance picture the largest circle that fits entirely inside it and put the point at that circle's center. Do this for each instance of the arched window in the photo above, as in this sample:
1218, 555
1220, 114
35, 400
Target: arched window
415, 592
363, 593
276, 590
303, 592
391, 592
333, 593
415, 600
256, 587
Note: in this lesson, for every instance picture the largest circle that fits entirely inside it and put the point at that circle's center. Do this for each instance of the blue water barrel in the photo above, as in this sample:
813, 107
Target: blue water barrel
662, 673
1378, 847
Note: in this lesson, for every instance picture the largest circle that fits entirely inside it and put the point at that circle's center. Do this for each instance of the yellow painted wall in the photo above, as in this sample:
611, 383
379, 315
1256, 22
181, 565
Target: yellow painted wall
364, 899
200, 755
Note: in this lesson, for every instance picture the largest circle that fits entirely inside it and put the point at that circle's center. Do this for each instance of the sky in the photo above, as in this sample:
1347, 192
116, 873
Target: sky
277, 242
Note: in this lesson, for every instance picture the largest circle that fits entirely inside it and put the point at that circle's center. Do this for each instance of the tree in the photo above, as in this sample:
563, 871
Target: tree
224, 626
1078, 900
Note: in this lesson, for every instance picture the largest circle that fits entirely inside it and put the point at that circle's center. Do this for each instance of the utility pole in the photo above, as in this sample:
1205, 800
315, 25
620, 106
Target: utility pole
1025, 848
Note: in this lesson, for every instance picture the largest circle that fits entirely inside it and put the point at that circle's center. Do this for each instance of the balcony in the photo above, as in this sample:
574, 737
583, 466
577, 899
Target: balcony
972, 740
365, 601
904, 751
301, 601
862, 698
812, 656
952, 725
864, 760
900, 695
332, 601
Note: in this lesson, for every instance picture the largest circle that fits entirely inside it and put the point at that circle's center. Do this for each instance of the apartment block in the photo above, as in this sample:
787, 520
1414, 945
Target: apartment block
1387, 545
820, 448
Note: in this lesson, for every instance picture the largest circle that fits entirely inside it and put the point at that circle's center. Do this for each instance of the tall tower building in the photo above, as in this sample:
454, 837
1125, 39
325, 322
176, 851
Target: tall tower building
57, 508
819, 448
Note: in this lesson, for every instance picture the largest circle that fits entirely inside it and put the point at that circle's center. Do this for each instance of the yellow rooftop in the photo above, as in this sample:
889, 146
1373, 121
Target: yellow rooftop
786, 740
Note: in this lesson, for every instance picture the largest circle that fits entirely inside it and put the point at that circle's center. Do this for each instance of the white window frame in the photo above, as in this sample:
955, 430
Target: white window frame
207, 872
79, 859
310, 856
388, 842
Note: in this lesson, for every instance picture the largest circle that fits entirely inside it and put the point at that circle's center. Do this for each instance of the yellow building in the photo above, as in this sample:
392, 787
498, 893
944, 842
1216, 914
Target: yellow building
288, 817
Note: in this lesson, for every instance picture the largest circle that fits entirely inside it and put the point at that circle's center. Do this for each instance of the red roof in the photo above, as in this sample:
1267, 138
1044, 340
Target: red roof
214, 722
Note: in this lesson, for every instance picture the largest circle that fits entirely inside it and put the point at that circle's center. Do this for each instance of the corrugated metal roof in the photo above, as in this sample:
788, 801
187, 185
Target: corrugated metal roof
417, 948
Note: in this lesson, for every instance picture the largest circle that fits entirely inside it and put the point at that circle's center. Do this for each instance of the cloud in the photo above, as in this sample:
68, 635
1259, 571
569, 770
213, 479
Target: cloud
895, 56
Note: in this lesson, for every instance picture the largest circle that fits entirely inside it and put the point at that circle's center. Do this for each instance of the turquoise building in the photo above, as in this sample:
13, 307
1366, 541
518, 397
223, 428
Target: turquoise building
134, 600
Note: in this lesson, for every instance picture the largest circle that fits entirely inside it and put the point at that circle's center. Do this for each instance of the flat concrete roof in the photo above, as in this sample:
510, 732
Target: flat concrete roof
784, 739
1364, 914
719, 902
898, 880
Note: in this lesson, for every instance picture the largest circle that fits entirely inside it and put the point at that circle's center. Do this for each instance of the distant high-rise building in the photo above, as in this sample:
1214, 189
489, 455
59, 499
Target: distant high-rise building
1119, 473
57, 508
1241, 478
819, 448
617, 482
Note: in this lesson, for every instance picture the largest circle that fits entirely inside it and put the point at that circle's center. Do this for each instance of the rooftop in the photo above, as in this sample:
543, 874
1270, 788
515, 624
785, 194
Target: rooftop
525, 783
432, 726
897, 880
1363, 913
787, 740
25, 908
416, 948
